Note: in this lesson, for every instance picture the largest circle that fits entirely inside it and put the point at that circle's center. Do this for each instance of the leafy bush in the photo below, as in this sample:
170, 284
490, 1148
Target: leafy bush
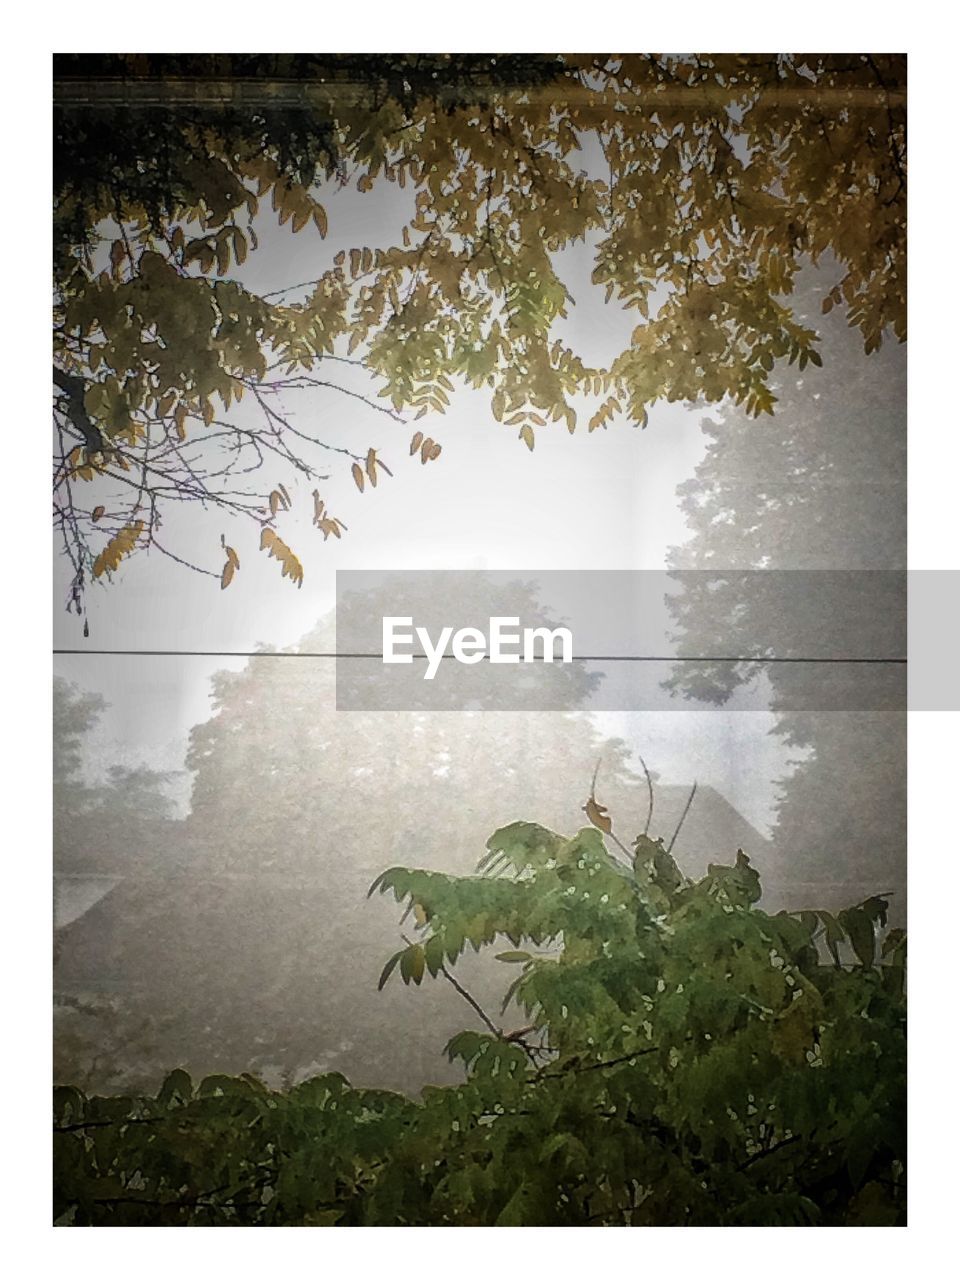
685, 1059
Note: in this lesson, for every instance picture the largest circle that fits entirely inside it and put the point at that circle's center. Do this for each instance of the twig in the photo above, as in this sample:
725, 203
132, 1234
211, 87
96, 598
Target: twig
599, 1066
683, 816
769, 1151
107, 1124
646, 825
593, 800
471, 1002
593, 780
620, 845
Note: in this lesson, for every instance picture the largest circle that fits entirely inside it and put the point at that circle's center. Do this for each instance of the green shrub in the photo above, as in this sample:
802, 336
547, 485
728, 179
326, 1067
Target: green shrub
685, 1059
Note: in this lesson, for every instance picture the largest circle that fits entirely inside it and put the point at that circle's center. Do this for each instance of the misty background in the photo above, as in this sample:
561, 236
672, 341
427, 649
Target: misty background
218, 821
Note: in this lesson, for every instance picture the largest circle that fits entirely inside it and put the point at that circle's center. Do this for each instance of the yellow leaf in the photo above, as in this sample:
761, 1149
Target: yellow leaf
232, 557
291, 566
416, 442
120, 545
320, 219
372, 466
357, 476
425, 449
526, 435
597, 814
226, 577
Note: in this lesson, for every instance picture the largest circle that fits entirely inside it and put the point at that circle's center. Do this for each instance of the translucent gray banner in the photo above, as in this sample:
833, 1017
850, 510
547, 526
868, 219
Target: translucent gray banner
622, 640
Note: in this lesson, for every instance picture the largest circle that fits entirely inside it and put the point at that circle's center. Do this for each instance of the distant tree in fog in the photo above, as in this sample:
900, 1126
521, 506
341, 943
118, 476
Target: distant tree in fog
258, 948
821, 485
104, 819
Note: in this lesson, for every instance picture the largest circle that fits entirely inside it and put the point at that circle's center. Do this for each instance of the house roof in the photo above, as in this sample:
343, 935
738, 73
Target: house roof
712, 831
93, 911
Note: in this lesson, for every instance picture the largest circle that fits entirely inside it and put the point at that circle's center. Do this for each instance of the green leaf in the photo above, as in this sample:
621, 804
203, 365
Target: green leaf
412, 964
833, 935
177, 1087
859, 929
388, 968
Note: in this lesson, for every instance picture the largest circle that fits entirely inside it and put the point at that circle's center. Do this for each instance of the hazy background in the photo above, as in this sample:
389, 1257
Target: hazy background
218, 821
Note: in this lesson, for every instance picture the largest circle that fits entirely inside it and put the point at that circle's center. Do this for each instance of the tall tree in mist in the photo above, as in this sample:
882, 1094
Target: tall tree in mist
821, 485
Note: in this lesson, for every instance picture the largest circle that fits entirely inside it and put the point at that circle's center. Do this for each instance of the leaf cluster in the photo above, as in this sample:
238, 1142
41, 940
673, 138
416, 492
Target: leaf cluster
700, 184
686, 1058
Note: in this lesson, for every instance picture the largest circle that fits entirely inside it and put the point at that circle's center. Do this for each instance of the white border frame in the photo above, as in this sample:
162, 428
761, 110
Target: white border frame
934, 477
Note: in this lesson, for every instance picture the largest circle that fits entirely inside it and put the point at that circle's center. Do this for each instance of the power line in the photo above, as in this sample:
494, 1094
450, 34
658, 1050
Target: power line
587, 657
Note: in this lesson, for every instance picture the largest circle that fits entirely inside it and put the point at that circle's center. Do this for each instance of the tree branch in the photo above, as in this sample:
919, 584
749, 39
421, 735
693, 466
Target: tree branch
646, 771
491, 1026
683, 817
73, 389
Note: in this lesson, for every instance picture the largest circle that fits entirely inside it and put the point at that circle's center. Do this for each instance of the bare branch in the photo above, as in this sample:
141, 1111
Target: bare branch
474, 1004
646, 771
683, 816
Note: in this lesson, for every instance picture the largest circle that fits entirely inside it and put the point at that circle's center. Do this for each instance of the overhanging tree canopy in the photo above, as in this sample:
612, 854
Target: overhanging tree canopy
700, 183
